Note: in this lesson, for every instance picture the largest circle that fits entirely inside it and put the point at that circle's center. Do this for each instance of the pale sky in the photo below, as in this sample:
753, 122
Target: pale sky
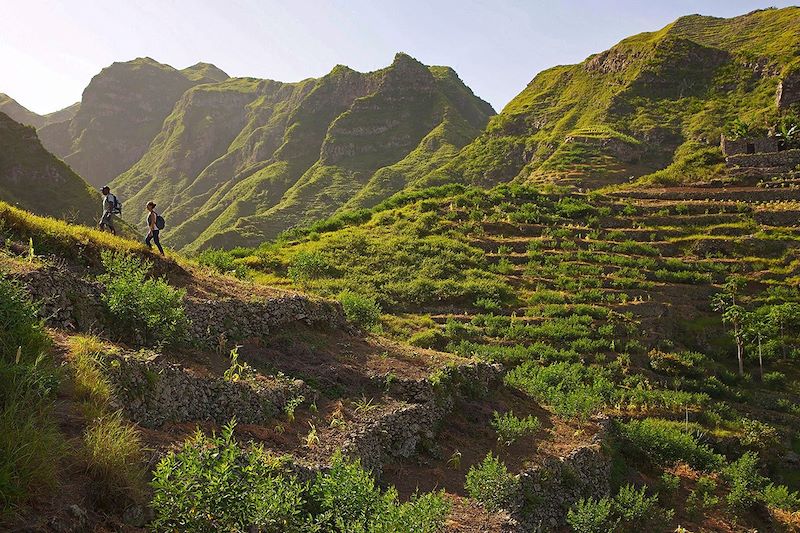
49, 49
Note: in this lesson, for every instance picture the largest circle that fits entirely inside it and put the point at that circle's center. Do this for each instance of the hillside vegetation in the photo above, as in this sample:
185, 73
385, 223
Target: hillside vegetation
657, 100
34, 179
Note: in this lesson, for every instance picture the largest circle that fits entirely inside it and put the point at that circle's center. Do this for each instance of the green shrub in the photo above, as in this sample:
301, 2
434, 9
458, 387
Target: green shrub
20, 325
141, 305
702, 497
222, 261
213, 484
591, 516
744, 481
310, 265
509, 428
490, 483
572, 389
774, 380
758, 436
666, 442
780, 497
428, 338
630, 510
361, 310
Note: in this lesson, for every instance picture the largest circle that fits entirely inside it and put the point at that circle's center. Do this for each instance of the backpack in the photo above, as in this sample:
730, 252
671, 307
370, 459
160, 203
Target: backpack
160, 222
117, 208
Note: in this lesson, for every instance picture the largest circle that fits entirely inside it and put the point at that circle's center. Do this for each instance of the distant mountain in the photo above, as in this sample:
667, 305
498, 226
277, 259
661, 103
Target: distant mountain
240, 160
34, 179
654, 105
23, 115
122, 110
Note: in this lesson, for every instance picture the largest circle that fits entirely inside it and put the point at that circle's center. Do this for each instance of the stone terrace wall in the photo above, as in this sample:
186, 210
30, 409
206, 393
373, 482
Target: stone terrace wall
786, 159
236, 319
151, 392
72, 302
399, 432
546, 492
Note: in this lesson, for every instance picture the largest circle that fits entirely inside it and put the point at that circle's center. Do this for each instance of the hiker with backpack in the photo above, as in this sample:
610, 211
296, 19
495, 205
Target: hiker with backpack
155, 223
111, 207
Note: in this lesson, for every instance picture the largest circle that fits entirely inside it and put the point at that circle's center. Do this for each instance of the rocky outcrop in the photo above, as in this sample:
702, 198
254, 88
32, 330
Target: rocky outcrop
152, 391
788, 92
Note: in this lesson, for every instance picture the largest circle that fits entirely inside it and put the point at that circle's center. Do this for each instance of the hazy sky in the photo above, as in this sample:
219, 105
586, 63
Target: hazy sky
49, 49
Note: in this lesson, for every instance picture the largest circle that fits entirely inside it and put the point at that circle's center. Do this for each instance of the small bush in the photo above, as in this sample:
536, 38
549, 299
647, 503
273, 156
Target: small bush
490, 483
774, 380
744, 481
702, 497
428, 338
310, 265
509, 428
141, 305
758, 436
115, 461
361, 310
591, 516
222, 261
214, 485
779, 496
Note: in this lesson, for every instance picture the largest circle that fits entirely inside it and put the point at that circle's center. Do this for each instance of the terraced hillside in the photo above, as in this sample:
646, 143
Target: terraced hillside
651, 107
615, 304
297, 381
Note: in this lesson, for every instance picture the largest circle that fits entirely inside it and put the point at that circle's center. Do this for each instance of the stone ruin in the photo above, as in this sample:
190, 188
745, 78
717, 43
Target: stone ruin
759, 158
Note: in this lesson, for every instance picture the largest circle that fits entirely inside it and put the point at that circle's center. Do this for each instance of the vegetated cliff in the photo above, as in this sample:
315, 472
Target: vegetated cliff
655, 100
241, 160
23, 115
34, 179
122, 110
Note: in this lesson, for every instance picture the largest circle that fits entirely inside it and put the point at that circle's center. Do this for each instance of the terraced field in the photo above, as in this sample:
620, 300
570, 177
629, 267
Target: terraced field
595, 304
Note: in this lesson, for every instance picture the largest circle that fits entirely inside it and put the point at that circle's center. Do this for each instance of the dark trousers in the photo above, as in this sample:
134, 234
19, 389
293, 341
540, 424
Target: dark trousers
153, 236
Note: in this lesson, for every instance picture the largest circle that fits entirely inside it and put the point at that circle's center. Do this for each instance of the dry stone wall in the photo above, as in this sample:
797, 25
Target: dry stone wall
152, 391
70, 301
546, 492
399, 432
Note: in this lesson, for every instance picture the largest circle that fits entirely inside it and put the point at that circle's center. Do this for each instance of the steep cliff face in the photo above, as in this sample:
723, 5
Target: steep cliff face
655, 104
34, 179
241, 160
122, 110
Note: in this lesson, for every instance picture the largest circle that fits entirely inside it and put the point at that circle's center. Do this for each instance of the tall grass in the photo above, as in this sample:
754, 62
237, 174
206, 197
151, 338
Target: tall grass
30, 444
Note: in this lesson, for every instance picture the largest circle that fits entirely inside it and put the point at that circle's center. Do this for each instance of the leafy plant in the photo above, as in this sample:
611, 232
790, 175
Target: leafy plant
361, 310
509, 428
238, 371
490, 483
666, 442
138, 304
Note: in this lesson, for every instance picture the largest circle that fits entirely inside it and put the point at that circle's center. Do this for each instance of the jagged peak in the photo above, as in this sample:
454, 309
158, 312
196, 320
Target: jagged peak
202, 71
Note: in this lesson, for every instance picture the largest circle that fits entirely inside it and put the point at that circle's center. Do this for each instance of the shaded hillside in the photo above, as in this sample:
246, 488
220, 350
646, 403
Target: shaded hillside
34, 179
655, 99
23, 115
239, 161
121, 111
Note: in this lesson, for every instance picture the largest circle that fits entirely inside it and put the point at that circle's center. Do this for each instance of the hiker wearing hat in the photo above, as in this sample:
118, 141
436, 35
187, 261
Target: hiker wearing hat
155, 223
111, 206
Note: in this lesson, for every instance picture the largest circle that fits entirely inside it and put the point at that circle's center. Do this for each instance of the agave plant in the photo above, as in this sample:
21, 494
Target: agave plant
790, 133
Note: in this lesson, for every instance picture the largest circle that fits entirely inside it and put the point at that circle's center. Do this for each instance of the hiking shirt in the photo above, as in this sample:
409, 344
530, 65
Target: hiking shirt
151, 220
108, 203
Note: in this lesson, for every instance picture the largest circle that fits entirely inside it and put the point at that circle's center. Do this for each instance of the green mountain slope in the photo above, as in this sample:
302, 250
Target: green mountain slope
655, 100
122, 110
34, 179
23, 115
241, 160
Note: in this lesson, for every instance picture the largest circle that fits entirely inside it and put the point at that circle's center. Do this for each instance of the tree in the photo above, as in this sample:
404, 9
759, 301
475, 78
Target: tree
733, 314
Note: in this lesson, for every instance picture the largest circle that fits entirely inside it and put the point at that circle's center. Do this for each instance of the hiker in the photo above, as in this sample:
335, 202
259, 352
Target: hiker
155, 223
110, 208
